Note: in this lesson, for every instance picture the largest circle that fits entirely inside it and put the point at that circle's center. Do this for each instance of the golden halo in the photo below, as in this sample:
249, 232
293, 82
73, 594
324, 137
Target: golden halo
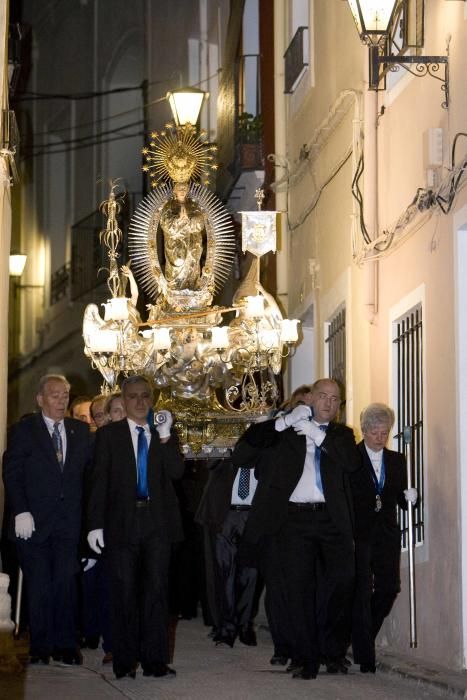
178, 154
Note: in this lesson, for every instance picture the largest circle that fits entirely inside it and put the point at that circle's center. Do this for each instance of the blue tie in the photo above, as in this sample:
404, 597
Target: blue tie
142, 464
57, 443
244, 483
319, 482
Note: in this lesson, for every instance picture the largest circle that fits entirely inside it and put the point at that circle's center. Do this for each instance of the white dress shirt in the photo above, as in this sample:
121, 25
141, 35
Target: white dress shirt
134, 437
306, 491
376, 458
236, 500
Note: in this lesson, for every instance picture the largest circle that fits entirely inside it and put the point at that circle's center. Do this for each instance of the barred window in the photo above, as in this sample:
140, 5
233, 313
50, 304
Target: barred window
408, 376
335, 352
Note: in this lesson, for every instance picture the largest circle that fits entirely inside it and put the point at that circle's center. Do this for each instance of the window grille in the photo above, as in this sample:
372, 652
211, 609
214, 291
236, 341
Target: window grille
335, 344
408, 369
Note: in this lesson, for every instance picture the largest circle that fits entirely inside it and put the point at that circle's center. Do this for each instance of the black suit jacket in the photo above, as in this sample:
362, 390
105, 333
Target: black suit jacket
113, 477
34, 481
279, 459
367, 520
215, 502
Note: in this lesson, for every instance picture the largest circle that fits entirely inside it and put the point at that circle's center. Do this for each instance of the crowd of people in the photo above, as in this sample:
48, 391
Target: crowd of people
299, 511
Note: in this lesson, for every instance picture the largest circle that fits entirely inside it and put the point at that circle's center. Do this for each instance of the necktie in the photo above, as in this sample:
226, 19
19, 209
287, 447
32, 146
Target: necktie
244, 483
319, 482
57, 443
142, 464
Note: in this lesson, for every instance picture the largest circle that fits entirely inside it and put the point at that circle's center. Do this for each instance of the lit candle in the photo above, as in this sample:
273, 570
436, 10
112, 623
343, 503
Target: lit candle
289, 330
116, 309
220, 337
254, 306
268, 340
162, 339
103, 341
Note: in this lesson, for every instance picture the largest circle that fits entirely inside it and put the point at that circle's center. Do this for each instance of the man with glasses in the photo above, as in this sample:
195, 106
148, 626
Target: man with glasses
303, 502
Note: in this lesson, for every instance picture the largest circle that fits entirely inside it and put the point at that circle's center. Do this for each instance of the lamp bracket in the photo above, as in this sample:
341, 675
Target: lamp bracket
423, 65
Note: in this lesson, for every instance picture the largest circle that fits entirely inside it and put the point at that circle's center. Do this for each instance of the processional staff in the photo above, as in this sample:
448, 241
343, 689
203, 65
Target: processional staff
412, 595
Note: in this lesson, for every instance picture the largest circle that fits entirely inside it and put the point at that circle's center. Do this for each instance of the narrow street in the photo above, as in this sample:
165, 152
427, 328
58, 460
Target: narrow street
205, 672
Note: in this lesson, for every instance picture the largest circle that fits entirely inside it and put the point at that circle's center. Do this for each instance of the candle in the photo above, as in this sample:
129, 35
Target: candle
255, 306
103, 341
116, 309
220, 337
162, 339
289, 331
268, 340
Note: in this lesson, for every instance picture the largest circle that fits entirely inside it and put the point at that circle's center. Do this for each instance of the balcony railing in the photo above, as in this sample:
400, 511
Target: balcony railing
87, 268
296, 59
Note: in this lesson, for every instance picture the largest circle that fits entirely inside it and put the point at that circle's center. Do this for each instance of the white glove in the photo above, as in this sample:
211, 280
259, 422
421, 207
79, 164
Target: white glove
89, 564
411, 495
289, 419
96, 540
24, 525
164, 428
310, 430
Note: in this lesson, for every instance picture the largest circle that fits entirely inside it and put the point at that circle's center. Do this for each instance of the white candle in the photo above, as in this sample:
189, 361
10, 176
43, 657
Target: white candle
289, 330
162, 339
220, 337
103, 341
255, 306
268, 340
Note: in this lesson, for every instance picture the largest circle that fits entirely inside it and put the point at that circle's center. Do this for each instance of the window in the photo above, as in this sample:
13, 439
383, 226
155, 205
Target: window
408, 378
335, 352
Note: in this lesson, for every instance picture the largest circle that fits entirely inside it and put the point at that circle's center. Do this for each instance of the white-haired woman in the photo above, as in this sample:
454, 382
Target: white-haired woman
378, 488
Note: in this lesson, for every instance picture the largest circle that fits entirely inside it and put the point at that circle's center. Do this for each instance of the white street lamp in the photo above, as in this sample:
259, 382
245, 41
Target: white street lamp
186, 105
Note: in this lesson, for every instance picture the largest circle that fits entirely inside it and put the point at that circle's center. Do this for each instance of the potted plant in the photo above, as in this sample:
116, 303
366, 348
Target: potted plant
250, 128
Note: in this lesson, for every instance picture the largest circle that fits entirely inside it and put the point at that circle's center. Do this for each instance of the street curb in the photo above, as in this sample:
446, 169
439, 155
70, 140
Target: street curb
454, 682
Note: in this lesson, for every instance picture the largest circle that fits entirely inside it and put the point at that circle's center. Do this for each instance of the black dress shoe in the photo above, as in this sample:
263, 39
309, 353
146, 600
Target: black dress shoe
222, 640
336, 666
122, 671
367, 668
248, 636
294, 665
160, 670
306, 672
91, 642
278, 660
71, 656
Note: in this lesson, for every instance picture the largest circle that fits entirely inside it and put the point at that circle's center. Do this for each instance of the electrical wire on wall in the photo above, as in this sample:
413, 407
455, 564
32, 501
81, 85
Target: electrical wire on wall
94, 139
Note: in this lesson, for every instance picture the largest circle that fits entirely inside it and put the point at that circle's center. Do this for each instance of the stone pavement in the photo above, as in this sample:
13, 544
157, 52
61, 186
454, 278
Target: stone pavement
206, 672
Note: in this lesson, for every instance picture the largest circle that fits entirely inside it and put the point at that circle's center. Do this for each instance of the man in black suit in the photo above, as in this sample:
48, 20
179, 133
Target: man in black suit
303, 501
133, 509
224, 511
43, 470
378, 487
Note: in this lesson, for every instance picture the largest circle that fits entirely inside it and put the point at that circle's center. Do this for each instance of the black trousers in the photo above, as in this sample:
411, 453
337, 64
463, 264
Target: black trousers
377, 585
275, 597
138, 574
308, 540
50, 570
235, 580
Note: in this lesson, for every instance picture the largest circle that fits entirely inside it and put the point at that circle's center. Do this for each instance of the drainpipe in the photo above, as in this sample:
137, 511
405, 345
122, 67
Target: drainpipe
280, 146
370, 199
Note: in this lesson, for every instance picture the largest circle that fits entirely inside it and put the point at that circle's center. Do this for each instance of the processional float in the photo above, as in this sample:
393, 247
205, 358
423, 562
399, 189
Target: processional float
214, 367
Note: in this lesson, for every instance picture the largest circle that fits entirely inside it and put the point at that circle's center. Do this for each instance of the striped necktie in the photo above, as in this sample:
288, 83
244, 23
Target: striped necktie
57, 443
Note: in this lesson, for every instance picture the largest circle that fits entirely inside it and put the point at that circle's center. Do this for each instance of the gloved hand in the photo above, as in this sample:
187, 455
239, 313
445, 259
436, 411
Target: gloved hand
288, 420
310, 430
96, 540
164, 428
411, 495
24, 525
88, 564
